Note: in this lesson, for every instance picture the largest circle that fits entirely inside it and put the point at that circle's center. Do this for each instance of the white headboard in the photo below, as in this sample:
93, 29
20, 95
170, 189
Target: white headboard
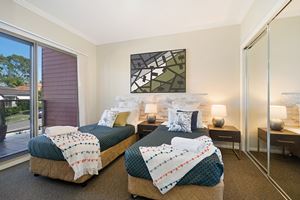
164, 101
292, 102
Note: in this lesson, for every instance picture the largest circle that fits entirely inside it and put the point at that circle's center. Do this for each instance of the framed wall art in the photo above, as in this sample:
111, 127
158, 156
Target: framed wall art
158, 72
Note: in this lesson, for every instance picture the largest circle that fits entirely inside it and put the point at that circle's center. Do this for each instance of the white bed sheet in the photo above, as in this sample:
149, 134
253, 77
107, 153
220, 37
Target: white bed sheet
136, 125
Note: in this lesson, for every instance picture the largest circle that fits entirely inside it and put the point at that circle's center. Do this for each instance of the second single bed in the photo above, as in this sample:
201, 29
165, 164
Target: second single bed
204, 181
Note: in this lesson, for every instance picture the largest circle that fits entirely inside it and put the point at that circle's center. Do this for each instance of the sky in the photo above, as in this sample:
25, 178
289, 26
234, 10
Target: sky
10, 46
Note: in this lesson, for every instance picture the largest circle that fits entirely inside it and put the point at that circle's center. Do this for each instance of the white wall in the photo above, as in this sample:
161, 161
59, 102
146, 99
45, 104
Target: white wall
212, 65
14, 14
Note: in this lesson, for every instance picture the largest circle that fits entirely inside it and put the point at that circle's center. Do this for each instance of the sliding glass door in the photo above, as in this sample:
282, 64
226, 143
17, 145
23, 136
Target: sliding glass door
16, 62
38, 88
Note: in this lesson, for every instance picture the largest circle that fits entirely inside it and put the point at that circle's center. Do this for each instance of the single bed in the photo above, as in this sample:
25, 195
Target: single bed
47, 159
202, 182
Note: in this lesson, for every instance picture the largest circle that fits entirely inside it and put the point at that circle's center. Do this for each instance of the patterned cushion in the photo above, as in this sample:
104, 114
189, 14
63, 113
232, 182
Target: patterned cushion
194, 122
108, 118
182, 122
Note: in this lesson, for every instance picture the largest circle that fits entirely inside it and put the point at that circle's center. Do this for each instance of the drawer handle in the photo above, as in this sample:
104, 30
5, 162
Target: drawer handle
286, 141
227, 137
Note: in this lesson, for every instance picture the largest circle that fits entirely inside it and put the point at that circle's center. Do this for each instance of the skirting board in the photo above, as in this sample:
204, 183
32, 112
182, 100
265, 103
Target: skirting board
14, 161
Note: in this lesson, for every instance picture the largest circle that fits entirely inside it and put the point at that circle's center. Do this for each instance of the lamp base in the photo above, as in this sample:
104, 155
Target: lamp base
276, 125
151, 119
218, 122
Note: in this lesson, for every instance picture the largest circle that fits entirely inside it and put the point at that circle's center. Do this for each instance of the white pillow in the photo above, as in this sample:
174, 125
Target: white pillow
189, 106
60, 130
172, 115
199, 120
134, 114
108, 118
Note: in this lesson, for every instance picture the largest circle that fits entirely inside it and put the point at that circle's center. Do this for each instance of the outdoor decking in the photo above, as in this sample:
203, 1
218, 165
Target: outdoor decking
14, 143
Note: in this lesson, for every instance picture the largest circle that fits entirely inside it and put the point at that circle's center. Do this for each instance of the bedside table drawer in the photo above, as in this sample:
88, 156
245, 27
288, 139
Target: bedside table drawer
284, 140
225, 136
144, 130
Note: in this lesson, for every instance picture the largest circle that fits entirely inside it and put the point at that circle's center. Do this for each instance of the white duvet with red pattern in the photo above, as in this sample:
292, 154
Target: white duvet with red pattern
81, 151
168, 164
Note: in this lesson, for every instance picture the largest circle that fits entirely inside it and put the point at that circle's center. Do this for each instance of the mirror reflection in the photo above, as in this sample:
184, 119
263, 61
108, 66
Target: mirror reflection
257, 102
285, 100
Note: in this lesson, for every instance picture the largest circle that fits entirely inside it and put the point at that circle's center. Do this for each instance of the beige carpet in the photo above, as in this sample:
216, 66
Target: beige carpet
285, 170
242, 181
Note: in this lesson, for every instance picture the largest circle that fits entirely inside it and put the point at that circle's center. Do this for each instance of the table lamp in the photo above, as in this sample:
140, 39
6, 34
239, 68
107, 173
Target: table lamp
277, 114
218, 113
151, 110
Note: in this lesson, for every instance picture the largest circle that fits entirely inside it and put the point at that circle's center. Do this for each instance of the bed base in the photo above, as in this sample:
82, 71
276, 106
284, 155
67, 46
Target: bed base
61, 170
145, 188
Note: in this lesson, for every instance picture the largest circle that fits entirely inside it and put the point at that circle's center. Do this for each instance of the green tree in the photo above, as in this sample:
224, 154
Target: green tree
14, 70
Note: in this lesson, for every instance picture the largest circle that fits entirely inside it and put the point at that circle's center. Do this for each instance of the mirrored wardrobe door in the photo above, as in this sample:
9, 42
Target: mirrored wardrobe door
285, 100
257, 98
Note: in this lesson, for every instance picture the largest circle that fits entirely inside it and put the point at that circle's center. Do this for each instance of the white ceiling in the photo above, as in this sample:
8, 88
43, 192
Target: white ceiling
106, 21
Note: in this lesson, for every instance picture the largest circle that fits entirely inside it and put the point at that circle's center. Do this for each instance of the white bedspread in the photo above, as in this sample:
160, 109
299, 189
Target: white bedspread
81, 151
167, 165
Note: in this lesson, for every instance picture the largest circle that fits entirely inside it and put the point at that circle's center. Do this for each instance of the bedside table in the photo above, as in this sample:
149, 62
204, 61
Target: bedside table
144, 128
226, 134
283, 138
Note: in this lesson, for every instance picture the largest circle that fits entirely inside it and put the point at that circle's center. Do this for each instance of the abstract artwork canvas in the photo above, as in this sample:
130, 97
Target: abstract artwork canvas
158, 72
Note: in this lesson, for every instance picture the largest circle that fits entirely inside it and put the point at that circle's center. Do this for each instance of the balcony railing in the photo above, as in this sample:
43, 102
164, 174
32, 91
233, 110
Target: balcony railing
17, 114
15, 125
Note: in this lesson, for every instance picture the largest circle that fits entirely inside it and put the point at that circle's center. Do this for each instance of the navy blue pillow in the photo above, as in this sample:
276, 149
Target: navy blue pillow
194, 118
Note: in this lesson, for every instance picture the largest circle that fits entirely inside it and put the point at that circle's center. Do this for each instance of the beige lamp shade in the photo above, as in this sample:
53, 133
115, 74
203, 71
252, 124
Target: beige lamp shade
278, 112
218, 111
151, 108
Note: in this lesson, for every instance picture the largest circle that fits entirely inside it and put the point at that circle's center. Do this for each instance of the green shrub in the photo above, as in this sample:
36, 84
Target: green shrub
23, 105
25, 112
11, 111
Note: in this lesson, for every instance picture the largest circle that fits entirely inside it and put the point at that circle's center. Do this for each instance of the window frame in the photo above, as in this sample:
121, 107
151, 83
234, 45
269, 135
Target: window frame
35, 44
